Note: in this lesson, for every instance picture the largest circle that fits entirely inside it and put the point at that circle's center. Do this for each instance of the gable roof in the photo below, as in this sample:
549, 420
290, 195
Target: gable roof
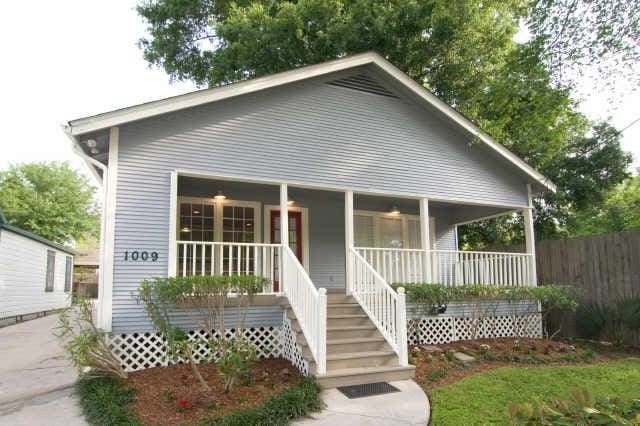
5, 225
150, 109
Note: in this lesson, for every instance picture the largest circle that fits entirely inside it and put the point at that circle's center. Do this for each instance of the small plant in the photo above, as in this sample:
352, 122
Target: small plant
184, 404
436, 374
449, 355
428, 358
516, 345
168, 395
236, 358
484, 348
582, 409
85, 344
212, 405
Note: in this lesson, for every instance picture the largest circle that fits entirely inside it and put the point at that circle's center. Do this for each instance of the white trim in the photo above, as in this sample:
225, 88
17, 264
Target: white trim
172, 258
491, 216
349, 239
284, 215
529, 236
105, 313
333, 188
150, 109
268, 208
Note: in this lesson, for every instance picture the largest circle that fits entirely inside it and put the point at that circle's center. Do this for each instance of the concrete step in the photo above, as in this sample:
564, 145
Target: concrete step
367, 344
347, 319
362, 375
361, 359
353, 331
333, 298
343, 308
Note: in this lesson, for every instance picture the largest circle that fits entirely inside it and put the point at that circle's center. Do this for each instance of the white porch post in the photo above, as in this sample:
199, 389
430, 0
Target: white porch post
172, 259
529, 238
284, 232
425, 240
348, 239
105, 296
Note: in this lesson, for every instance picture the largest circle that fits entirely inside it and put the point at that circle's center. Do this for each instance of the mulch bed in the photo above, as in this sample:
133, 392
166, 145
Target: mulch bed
436, 367
172, 395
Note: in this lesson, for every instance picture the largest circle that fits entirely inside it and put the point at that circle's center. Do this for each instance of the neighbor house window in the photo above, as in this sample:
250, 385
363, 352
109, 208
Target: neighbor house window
51, 270
68, 274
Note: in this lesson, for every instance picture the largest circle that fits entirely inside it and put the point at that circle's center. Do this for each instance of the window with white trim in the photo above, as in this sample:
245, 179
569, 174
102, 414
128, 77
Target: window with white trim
68, 274
51, 271
385, 230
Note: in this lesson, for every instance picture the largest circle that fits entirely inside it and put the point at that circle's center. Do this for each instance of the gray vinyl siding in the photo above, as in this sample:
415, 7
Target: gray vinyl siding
482, 308
309, 133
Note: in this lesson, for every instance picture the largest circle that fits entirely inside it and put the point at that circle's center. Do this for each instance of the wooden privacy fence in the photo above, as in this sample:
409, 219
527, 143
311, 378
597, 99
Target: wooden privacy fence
605, 267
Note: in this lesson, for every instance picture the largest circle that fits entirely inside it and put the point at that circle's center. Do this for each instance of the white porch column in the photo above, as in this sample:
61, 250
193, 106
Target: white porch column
530, 240
425, 240
348, 238
284, 215
172, 259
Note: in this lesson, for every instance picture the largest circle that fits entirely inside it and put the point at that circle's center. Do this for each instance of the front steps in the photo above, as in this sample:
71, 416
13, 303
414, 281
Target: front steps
356, 351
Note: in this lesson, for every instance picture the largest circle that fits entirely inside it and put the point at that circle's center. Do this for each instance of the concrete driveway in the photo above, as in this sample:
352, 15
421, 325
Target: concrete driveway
36, 379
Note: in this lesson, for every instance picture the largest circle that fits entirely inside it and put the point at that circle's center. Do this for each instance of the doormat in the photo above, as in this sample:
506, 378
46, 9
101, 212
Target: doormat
369, 389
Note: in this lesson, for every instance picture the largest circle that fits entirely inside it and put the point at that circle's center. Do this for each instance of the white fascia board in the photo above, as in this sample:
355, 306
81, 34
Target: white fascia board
188, 100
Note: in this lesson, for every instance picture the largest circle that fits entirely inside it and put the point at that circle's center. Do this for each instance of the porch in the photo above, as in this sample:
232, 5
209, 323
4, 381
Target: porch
310, 240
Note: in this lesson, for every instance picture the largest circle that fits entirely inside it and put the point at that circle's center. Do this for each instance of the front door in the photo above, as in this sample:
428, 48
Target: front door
295, 231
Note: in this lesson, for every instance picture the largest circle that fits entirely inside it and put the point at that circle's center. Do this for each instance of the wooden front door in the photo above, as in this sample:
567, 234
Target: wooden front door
295, 231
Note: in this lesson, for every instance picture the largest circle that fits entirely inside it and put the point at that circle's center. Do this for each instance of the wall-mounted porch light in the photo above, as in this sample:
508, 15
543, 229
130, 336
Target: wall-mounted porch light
92, 145
219, 196
290, 202
394, 210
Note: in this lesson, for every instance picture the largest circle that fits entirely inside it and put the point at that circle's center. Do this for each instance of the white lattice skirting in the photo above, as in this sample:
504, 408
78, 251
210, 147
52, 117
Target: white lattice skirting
443, 329
138, 351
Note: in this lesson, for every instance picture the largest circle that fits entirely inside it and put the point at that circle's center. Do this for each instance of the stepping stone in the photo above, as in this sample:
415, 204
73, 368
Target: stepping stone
431, 348
464, 358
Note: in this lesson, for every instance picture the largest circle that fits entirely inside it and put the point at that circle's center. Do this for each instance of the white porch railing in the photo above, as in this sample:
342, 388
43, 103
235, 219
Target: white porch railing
309, 305
384, 306
218, 258
450, 267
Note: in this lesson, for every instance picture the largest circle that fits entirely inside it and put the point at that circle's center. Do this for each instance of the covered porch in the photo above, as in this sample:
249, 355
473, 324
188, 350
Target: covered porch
222, 226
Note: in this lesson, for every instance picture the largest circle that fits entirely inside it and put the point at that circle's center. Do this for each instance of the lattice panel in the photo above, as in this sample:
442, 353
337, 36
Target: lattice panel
138, 351
290, 348
436, 330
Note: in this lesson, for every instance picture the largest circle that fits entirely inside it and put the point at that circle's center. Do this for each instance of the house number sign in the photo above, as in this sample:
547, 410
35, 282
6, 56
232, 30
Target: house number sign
144, 256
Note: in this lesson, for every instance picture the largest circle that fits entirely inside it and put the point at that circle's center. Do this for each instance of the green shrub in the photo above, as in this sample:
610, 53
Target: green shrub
629, 310
582, 409
294, 402
106, 401
236, 357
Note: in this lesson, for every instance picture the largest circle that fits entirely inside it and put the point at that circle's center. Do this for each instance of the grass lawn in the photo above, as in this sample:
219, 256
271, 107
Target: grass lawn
484, 397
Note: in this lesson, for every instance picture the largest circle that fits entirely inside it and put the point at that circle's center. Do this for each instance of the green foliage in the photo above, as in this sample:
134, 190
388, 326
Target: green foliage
106, 401
582, 409
292, 403
466, 402
236, 357
629, 310
597, 321
556, 296
207, 295
84, 343
51, 200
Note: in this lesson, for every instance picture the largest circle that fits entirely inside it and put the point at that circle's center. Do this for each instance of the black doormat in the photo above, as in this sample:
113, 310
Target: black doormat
369, 389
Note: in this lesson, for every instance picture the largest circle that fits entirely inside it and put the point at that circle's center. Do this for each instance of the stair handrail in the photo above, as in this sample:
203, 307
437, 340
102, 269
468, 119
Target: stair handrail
383, 305
309, 306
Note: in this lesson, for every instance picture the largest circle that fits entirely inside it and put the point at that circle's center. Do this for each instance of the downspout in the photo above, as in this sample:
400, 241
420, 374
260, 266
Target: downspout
75, 145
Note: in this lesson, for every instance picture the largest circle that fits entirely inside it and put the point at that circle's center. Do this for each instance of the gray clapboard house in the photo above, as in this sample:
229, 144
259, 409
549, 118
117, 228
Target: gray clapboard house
333, 180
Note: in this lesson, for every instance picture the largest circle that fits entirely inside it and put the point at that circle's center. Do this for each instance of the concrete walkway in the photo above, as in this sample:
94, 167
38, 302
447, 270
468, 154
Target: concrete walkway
36, 379
408, 407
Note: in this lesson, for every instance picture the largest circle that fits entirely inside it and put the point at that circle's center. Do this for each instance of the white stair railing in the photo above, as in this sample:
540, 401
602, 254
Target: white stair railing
308, 304
450, 267
218, 258
384, 306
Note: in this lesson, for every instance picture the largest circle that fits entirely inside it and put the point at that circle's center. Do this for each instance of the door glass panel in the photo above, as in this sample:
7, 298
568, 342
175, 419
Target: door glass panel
391, 232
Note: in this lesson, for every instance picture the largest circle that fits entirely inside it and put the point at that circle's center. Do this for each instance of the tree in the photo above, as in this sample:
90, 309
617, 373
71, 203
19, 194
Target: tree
576, 34
462, 51
49, 199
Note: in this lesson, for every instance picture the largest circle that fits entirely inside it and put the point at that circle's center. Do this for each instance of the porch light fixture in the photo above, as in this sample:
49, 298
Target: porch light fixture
219, 196
185, 229
395, 210
91, 143
290, 202
95, 150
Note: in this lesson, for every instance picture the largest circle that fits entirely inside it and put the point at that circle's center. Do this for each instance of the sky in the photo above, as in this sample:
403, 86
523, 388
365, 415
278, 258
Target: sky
79, 57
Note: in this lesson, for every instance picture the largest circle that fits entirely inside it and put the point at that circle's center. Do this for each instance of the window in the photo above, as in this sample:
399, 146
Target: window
51, 270
68, 274
378, 229
197, 220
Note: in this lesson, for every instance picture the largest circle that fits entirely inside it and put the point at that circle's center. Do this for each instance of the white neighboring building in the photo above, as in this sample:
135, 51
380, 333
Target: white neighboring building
35, 273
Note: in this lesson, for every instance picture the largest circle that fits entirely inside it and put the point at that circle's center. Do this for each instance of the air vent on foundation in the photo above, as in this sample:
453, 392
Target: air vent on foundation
364, 83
